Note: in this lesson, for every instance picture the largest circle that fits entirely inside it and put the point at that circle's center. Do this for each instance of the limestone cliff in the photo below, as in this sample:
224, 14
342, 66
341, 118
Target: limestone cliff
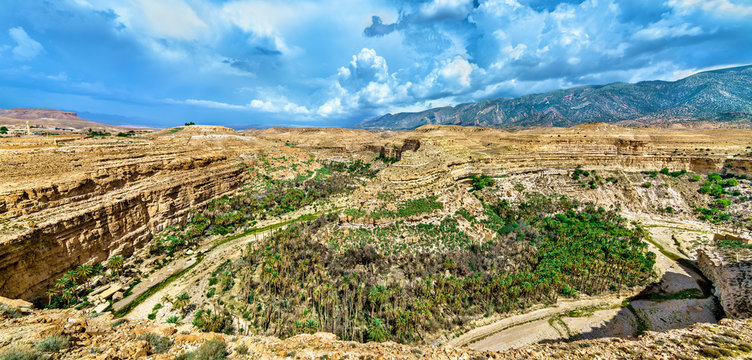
731, 273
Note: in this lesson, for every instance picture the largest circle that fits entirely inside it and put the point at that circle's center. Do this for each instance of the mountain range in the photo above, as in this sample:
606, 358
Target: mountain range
717, 98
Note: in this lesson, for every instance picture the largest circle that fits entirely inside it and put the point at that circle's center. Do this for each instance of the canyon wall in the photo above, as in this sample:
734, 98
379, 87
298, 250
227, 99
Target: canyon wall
731, 274
94, 199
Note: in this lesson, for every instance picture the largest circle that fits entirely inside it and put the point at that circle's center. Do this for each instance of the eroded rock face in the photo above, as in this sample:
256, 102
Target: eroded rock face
97, 200
731, 274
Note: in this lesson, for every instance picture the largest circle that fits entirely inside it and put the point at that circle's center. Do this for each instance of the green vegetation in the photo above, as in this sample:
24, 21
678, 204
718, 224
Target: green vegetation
404, 209
98, 133
732, 244
10, 311
210, 350
53, 344
390, 284
228, 214
17, 353
190, 123
579, 172
479, 182
675, 174
717, 186
387, 160
64, 293
213, 322
159, 344
3, 130
126, 134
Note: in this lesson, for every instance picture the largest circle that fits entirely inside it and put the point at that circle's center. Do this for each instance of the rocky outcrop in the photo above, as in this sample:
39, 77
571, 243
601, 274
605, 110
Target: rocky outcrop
116, 222
731, 275
103, 337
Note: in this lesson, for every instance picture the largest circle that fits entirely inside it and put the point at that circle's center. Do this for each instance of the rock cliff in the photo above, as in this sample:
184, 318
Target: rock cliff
82, 203
731, 274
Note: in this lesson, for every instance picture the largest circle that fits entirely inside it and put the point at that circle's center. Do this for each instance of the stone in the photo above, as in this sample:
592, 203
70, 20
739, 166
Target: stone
16, 303
117, 296
110, 291
732, 278
101, 307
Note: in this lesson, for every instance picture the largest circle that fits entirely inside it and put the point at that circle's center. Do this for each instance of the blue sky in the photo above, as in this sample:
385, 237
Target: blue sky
253, 63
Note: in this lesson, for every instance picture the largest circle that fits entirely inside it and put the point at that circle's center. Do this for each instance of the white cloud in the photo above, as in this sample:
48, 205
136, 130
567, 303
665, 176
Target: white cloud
172, 19
717, 7
456, 73
212, 104
278, 106
665, 30
445, 9
26, 48
331, 107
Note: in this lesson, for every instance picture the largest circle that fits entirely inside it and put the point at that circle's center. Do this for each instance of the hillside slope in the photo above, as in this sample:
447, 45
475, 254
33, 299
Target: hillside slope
49, 119
719, 98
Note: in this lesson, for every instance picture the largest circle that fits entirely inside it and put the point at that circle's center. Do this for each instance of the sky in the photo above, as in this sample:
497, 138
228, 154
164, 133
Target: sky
261, 63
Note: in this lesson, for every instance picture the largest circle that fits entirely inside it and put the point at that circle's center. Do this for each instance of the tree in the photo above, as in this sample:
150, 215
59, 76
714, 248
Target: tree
85, 271
115, 263
181, 302
3, 130
190, 123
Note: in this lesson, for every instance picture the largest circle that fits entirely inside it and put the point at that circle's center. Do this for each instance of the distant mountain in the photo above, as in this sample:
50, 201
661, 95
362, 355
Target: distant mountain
53, 120
718, 98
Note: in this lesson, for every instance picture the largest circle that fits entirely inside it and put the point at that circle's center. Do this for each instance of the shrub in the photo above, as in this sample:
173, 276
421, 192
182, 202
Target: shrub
53, 344
479, 182
159, 344
721, 203
647, 185
20, 354
173, 320
12, 312
242, 350
695, 178
210, 350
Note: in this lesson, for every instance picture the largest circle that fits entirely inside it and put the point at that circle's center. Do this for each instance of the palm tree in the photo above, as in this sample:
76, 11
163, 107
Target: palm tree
68, 296
62, 282
85, 271
50, 294
180, 302
115, 263
72, 276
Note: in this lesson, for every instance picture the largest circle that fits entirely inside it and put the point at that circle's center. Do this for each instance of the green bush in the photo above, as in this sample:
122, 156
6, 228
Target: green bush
53, 344
695, 178
242, 350
210, 350
647, 185
159, 344
479, 182
21, 354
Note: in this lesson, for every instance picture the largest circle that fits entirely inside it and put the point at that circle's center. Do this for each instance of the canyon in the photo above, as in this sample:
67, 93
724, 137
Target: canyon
68, 201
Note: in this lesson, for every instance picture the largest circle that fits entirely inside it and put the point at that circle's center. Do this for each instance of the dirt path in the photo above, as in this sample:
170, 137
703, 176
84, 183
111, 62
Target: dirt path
485, 336
212, 259
552, 324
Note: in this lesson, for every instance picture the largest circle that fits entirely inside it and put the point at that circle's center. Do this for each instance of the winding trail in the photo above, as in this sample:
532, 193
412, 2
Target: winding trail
164, 282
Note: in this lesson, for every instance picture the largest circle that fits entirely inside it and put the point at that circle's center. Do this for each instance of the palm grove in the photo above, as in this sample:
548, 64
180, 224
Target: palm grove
546, 247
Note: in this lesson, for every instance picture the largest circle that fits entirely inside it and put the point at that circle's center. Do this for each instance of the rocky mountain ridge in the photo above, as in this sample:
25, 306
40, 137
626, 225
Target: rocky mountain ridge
711, 99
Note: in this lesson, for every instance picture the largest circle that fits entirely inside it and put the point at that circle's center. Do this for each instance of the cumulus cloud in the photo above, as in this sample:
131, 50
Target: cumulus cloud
294, 60
26, 48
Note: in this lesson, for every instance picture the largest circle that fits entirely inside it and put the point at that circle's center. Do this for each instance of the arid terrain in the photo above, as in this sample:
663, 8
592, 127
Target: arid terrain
594, 241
